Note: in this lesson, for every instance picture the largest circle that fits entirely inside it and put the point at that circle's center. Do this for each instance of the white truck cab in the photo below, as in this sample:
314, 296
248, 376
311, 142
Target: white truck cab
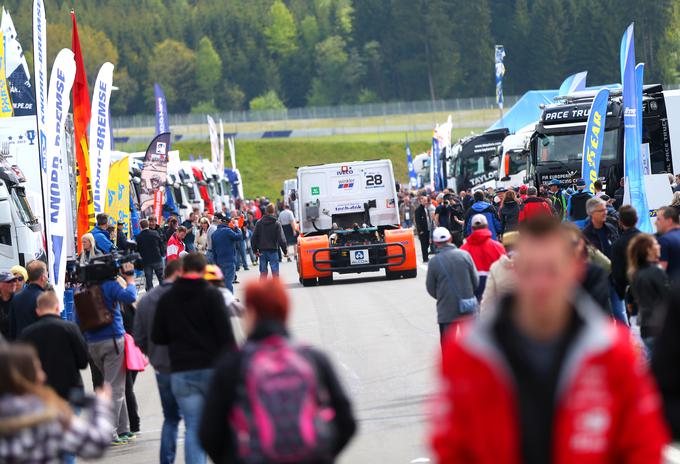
21, 235
514, 154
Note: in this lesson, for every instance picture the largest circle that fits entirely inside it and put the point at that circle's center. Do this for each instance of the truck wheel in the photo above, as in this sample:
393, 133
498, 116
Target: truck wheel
326, 280
308, 282
410, 274
391, 275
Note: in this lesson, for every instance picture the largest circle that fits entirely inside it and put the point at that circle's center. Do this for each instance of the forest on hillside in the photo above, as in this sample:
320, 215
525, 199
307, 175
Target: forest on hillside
234, 54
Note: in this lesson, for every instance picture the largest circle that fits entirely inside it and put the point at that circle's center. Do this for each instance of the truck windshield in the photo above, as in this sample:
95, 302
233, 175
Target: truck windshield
569, 147
518, 162
191, 194
22, 206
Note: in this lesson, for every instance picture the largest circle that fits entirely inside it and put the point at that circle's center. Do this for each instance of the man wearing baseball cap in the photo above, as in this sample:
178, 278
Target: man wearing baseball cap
576, 206
451, 277
484, 250
7, 281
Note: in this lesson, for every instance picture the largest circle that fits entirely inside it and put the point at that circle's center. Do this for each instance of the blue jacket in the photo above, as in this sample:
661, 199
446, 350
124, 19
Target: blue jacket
223, 244
113, 294
489, 211
22, 309
102, 240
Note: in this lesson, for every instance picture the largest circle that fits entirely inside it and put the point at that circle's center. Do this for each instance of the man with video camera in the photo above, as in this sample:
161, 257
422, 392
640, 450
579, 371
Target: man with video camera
106, 344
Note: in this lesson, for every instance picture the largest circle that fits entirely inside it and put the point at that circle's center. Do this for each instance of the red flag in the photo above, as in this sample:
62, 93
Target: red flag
81, 118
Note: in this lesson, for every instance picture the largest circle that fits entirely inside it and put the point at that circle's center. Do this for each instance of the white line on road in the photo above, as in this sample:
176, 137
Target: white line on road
417, 460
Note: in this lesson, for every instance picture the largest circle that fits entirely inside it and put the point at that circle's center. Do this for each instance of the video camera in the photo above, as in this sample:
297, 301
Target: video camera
100, 268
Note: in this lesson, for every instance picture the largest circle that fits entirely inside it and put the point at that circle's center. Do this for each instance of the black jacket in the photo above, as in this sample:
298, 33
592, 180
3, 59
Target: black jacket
150, 247
577, 206
193, 321
62, 351
665, 359
268, 236
422, 223
596, 285
22, 310
215, 433
509, 216
619, 260
591, 235
649, 287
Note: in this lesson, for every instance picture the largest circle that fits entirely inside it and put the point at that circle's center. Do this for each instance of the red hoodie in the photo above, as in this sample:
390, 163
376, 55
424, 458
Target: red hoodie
532, 207
484, 250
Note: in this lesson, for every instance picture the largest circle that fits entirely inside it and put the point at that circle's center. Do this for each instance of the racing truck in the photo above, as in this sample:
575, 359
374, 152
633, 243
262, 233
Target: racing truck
473, 161
349, 223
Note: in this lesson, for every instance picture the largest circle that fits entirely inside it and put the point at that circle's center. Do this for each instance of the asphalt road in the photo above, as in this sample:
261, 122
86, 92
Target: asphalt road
383, 339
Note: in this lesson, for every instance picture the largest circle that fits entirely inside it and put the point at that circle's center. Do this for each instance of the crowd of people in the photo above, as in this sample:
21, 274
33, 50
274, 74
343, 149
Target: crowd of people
573, 359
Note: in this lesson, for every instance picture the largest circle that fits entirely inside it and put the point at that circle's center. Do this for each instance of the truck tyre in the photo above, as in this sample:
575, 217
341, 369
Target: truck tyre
410, 274
308, 282
326, 280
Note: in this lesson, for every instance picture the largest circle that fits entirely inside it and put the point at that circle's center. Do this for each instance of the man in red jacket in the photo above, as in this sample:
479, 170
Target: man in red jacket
534, 206
546, 378
484, 250
176, 244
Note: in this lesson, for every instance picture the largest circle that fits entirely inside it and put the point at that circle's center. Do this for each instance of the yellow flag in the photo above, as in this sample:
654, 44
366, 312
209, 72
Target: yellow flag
6, 110
118, 194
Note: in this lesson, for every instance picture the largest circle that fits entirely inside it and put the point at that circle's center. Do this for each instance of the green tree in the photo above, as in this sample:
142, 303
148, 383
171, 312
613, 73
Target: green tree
173, 65
208, 69
339, 73
281, 33
267, 101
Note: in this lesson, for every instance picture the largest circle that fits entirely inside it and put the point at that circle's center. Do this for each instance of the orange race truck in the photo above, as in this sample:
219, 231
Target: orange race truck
349, 222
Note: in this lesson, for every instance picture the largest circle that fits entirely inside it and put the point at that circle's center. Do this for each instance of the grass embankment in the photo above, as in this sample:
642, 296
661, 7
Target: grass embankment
264, 165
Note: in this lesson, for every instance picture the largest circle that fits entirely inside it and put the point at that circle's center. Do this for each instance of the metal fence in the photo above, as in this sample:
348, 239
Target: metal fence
321, 112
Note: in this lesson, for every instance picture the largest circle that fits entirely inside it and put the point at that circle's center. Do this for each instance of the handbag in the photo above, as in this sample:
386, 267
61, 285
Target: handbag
91, 309
466, 306
134, 358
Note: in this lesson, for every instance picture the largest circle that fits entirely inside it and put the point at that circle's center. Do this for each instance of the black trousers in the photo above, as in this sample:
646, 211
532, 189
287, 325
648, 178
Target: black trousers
424, 244
131, 400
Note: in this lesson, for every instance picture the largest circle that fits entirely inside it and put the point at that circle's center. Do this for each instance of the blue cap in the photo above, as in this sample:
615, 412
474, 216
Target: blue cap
555, 182
581, 183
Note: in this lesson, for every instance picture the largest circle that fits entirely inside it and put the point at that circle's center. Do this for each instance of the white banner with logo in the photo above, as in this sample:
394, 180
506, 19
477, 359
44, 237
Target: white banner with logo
221, 162
58, 102
214, 144
100, 136
40, 75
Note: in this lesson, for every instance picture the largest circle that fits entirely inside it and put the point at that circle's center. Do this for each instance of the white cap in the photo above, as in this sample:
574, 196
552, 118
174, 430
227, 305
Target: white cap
441, 235
479, 220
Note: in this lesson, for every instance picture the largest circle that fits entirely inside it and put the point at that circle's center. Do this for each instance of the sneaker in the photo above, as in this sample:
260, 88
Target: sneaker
289, 260
119, 441
128, 436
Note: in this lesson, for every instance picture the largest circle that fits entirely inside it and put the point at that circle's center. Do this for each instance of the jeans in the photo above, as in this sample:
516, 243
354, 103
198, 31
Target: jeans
171, 419
209, 256
229, 271
618, 307
149, 271
190, 389
240, 251
270, 257
249, 250
109, 357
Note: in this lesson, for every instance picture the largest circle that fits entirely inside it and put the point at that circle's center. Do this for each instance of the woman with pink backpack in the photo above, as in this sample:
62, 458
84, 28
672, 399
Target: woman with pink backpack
283, 400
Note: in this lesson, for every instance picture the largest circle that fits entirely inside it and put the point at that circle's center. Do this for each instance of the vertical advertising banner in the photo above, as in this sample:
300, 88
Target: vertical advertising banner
232, 151
40, 74
6, 110
574, 83
214, 143
500, 72
100, 136
154, 173
118, 193
412, 177
221, 161
435, 164
594, 139
162, 123
16, 70
61, 80
81, 118
633, 169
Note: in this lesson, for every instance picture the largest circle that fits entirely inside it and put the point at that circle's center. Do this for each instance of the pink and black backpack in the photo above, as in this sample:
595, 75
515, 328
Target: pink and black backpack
281, 413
